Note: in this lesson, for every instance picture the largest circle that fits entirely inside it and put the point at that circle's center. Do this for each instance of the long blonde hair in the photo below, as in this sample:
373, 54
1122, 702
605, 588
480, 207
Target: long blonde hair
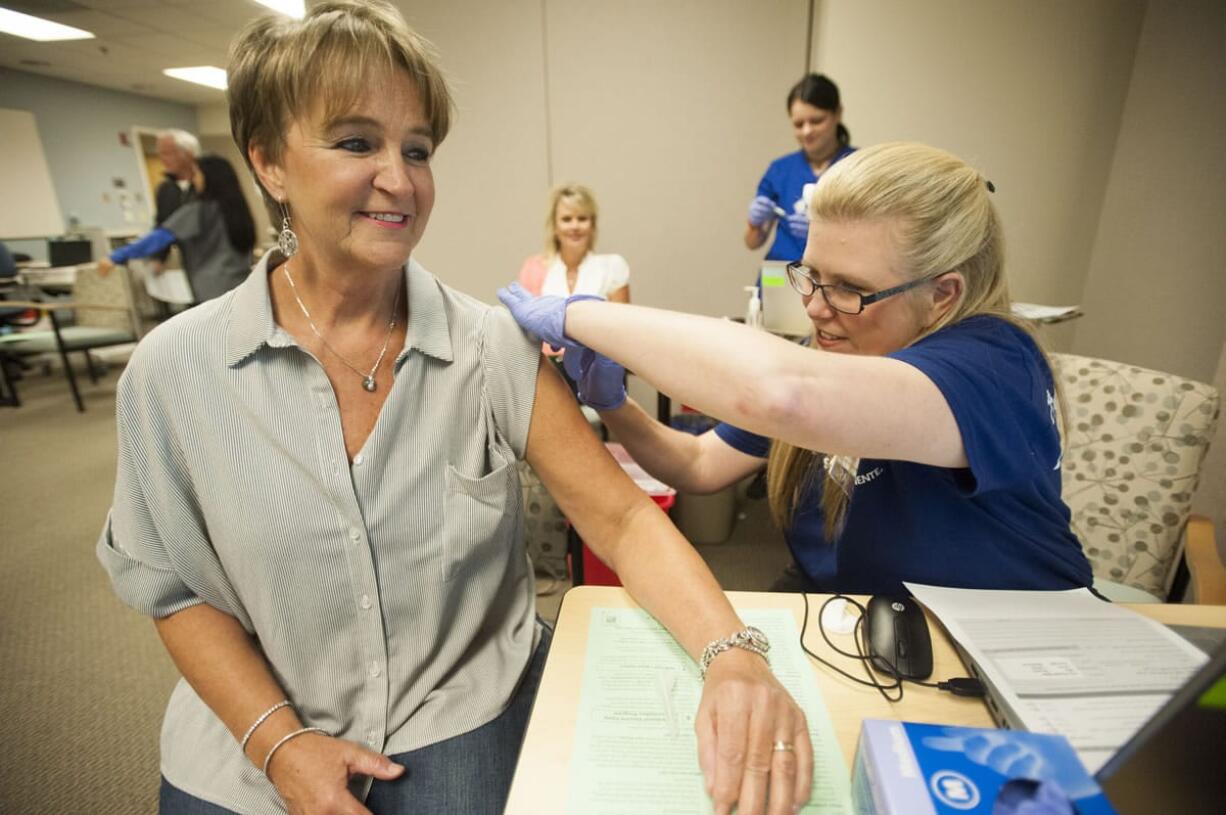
946, 223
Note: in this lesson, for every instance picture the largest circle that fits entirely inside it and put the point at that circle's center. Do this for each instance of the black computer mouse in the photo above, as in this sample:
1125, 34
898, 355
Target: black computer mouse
896, 631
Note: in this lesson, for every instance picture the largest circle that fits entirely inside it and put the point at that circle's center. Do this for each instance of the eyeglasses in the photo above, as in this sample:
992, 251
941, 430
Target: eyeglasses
841, 298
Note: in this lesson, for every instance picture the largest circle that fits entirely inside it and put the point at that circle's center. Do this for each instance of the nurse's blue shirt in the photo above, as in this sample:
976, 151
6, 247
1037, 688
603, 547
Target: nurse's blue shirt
784, 183
999, 524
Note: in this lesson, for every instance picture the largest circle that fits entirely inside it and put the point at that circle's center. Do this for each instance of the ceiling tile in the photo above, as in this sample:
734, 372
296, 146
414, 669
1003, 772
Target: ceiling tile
136, 39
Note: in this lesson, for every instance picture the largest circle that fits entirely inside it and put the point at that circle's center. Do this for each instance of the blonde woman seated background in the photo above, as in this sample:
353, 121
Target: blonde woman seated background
569, 265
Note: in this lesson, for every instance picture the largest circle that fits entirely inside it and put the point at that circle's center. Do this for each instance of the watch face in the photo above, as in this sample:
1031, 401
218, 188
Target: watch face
757, 638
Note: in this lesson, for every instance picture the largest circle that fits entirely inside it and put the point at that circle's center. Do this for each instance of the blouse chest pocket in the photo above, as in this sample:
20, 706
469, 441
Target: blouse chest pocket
479, 516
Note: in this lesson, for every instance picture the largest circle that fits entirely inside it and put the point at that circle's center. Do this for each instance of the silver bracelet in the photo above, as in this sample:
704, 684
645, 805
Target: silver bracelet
287, 737
259, 721
749, 638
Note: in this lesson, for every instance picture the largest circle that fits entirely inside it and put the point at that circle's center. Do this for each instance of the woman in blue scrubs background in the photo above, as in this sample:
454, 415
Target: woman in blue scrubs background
817, 120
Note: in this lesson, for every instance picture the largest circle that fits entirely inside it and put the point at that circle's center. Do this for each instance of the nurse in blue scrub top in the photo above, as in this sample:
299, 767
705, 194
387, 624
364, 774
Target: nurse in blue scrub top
783, 193
915, 440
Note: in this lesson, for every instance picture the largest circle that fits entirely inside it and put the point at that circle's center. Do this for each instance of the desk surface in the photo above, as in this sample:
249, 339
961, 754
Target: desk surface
544, 763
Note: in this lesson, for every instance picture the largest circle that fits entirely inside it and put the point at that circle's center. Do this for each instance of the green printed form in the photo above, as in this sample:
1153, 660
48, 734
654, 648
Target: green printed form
635, 750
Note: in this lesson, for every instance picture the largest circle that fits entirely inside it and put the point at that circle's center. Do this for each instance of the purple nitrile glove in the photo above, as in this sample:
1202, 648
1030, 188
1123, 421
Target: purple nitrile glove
543, 316
761, 211
798, 225
602, 382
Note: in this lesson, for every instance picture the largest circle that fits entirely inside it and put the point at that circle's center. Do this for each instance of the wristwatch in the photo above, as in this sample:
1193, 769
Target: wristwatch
750, 638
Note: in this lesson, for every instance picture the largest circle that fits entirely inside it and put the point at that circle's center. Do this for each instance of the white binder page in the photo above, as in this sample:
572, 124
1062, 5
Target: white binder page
1066, 662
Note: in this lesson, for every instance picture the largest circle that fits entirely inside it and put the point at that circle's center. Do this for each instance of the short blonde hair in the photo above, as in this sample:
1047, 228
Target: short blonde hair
281, 69
577, 195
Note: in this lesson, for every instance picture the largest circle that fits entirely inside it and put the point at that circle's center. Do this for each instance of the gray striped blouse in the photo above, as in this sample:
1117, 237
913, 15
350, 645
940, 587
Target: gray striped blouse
393, 597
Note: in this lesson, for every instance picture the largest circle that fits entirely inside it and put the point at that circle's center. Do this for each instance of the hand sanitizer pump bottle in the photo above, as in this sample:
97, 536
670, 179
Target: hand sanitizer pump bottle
753, 310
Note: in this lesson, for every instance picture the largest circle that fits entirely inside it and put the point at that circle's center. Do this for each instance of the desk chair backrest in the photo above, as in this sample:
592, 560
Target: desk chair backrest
115, 289
1133, 450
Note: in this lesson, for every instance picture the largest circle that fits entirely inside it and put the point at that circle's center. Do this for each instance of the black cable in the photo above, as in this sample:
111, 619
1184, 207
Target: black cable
873, 681
958, 686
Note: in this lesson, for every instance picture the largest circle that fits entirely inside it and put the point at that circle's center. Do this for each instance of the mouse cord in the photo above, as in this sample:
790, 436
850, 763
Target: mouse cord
873, 681
958, 686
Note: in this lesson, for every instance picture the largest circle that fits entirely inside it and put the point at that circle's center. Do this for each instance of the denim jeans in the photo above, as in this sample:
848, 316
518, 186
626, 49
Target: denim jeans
468, 774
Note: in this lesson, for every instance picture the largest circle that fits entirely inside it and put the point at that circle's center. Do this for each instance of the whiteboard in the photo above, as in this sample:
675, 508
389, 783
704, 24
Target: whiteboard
29, 207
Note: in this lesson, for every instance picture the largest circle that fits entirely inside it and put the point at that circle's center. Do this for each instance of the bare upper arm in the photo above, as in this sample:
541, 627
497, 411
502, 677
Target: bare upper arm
719, 464
621, 295
871, 407
591, 489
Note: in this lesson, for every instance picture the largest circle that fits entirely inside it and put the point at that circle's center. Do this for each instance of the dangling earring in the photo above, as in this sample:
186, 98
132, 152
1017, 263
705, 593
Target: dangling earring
287, 241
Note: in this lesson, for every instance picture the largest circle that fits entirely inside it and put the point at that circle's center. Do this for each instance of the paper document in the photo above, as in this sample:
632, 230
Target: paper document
170, 286
635, 749
1045, 314
645, 480
1066, 662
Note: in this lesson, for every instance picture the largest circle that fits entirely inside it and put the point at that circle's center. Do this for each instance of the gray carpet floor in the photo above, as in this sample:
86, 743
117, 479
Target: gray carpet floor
83, 679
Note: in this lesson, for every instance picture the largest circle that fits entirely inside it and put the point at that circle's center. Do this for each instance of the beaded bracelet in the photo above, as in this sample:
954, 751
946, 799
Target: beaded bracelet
260, 720
287, 737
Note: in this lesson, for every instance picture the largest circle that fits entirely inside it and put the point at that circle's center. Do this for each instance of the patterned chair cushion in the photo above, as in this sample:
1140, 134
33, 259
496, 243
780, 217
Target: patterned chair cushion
115, 289
544, 526
1133, 447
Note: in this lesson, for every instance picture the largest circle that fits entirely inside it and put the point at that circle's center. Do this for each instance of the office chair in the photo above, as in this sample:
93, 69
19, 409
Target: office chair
105, 315
1134, 442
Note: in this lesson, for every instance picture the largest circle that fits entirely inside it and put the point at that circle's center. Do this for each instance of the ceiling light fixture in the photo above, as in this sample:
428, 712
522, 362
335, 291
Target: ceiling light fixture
208, 75
36, 28
290, 8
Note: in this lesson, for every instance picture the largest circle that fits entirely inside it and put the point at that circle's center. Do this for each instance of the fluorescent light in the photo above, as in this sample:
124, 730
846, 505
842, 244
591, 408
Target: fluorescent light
36, 28
201, 74
290, 8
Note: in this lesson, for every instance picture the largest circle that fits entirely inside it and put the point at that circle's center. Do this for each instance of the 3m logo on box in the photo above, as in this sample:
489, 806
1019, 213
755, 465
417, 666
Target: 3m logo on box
954, 789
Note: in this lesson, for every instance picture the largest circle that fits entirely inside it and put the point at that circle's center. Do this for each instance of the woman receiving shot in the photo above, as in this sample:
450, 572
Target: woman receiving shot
317, 498
915, 440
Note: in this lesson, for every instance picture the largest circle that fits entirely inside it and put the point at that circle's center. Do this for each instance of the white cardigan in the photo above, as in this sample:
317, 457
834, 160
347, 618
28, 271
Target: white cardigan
600, 275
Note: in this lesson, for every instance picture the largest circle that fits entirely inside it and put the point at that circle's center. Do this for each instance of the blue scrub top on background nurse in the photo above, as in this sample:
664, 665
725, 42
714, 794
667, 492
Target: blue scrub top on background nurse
785, 188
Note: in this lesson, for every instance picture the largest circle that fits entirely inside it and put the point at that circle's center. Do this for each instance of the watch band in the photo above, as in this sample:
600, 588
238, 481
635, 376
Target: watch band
749, 639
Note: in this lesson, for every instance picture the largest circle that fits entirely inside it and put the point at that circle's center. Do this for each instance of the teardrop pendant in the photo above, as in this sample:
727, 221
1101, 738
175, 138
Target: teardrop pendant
369, 384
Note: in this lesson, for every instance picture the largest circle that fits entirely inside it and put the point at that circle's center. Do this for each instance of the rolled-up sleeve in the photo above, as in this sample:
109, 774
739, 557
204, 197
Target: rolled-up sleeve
153, 508
509, 361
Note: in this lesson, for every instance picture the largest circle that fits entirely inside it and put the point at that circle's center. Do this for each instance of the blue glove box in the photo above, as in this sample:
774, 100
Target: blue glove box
905, 768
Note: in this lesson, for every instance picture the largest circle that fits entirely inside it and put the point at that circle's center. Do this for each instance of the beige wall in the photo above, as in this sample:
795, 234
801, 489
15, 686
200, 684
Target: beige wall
490, 170
656, 106
1031, 93
671, 110
1156, 290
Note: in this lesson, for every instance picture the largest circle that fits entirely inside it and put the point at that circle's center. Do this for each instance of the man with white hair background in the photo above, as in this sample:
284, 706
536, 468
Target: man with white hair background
178, 151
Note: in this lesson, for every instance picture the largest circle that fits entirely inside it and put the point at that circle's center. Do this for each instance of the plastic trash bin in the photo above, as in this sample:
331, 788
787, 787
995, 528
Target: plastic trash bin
703, 518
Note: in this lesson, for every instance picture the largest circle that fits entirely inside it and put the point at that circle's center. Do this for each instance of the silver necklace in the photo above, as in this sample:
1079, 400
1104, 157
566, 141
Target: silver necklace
368, 379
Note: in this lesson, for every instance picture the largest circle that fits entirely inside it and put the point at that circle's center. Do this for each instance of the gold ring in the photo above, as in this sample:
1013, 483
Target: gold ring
782, 747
